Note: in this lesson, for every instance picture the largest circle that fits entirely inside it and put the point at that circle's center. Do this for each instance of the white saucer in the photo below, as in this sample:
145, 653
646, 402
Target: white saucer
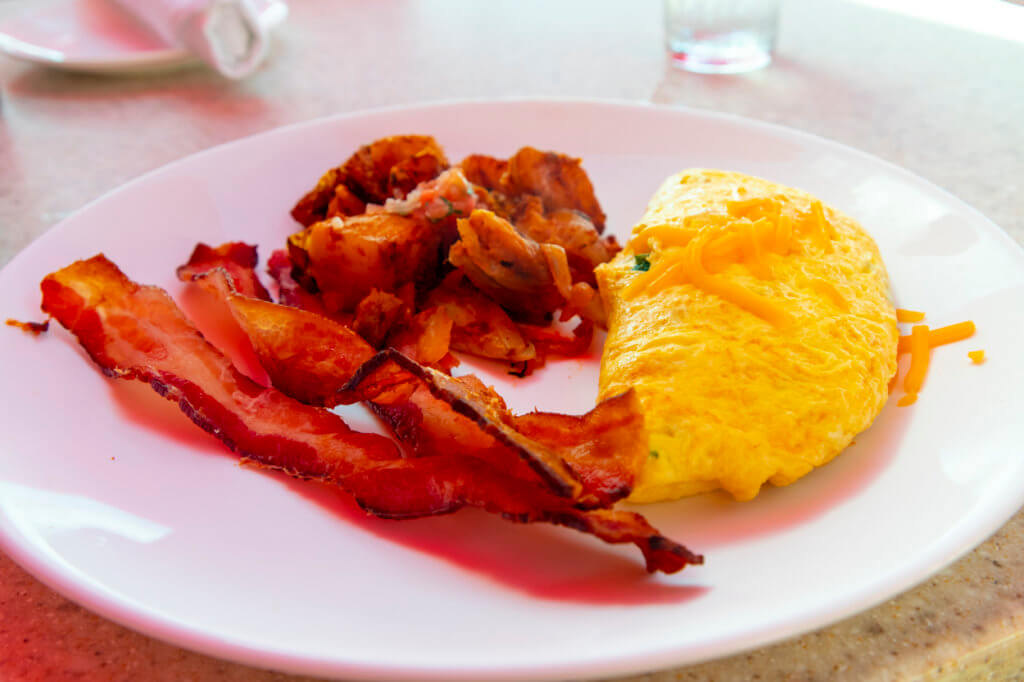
94, 36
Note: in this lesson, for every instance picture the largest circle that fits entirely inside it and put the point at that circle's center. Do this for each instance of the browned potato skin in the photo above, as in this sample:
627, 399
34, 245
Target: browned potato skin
569, 229
485, 171
313, 205
557, 179
345, 203
505, 265
386, 168
349, 257
378, 314
393, 166
479, 325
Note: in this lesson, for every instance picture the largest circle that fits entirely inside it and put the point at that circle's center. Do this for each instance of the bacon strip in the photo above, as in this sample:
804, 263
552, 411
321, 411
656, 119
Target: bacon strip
411, 488
314, 359
237, 258
605, 448
33, 328
137, 332
134, 331
290, 292
390, 378
435, 413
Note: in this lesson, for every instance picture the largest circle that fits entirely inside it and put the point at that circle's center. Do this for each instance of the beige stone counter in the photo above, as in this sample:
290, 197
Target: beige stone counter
945, 103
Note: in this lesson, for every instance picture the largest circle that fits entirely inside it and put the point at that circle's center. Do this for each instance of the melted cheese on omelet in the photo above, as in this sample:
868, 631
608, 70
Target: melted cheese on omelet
757, 328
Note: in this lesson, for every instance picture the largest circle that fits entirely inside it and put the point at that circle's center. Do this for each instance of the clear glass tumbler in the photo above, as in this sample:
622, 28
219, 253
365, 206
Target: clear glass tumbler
721, 36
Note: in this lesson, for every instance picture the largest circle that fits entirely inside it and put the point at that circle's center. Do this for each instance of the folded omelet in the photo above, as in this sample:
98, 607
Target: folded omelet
757, 328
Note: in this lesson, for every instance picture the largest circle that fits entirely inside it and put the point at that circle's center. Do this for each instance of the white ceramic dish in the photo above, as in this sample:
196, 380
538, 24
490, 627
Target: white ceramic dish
113, 498
94, 36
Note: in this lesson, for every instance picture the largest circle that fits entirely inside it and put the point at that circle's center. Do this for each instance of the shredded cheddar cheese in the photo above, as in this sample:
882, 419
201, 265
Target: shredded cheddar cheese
919, 343
694, 250
828, 290
941, 336
728, 290
783, 235
920, 358
903, 315
908, 399
824, 230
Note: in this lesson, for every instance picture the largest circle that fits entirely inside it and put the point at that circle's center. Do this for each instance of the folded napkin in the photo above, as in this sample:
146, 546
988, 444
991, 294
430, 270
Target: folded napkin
229, 35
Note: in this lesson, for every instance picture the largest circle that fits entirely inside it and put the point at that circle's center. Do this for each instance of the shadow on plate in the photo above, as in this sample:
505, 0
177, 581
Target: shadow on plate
715, 519
538, 560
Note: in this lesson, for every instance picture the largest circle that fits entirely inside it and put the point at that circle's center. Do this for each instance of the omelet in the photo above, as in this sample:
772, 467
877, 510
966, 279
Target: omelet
757, 327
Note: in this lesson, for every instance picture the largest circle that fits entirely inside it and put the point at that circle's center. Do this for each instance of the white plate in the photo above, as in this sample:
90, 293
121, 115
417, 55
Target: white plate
116, 500
95, 36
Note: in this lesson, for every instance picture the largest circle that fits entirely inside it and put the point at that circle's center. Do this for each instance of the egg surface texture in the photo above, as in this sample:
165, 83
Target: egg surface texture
757, 328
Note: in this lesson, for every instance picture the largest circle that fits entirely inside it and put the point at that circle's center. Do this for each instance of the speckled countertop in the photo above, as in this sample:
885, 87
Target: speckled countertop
946, 103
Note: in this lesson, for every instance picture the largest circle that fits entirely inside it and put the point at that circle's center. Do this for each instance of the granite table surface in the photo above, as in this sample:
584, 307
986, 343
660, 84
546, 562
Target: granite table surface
943, 101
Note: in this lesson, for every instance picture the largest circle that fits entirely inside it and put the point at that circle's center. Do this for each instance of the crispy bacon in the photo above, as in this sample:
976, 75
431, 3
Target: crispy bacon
134, 331
291, 293
605, 447
389, 378
33, 328
237, 258
137, 332
484, 479
432, 485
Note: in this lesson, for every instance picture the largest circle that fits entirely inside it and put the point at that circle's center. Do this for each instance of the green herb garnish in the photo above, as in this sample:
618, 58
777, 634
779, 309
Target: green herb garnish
653, 454
642, 263
451, 208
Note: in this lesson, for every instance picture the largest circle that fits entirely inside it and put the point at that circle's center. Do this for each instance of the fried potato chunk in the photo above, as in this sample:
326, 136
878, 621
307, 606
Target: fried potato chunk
348, 258
393, 166
485, 171
480, 326
559, 181
386, 168
571, 230
510, 268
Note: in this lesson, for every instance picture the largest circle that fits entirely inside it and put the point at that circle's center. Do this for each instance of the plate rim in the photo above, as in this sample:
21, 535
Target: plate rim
77, 586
